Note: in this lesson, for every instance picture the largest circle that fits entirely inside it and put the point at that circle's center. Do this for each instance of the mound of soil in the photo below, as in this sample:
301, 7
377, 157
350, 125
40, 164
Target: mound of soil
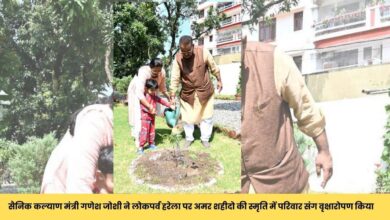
176, 169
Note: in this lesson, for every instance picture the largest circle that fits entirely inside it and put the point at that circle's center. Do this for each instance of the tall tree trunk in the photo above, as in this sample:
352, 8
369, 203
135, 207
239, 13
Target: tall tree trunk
173, 16
57, 70
107, 63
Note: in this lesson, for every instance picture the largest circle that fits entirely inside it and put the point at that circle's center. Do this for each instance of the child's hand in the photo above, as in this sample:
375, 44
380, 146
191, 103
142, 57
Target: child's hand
173, 107
152, 111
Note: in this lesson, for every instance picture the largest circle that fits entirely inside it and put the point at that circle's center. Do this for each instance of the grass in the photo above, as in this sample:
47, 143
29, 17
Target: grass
225, 97
227, 151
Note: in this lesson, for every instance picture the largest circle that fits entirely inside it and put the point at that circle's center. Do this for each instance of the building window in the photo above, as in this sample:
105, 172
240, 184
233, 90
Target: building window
337, 59
347, 58
211, 52
211, 38
226, 50
298, 62
298, 20
367, 55
200, 41
201, 13
267, 30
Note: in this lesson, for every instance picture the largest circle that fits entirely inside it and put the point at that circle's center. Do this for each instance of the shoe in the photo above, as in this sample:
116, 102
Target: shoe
152, 147
187, 144
206, 144
140, 151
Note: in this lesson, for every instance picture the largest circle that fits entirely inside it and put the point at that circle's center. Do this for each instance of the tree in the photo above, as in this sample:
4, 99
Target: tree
141, 28
138, 36
56, 52
175, 12
257, 9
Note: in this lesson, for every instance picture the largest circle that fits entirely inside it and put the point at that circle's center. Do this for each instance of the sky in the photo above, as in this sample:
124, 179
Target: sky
184, 29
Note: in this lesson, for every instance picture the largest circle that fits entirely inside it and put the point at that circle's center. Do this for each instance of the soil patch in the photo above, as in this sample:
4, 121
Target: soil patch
173, 170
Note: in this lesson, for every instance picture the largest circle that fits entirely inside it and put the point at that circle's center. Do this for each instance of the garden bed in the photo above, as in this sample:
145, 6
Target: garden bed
172, 170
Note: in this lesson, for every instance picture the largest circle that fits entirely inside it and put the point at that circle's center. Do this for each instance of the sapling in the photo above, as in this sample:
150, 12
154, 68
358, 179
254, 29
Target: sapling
174, 141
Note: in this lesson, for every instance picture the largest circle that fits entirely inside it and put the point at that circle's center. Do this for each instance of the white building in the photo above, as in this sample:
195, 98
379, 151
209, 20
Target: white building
351, 33
292, 31
327, 35
320, 35
225, 43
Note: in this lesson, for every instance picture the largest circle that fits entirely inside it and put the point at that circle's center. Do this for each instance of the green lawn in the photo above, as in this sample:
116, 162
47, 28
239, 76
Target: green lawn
225, 150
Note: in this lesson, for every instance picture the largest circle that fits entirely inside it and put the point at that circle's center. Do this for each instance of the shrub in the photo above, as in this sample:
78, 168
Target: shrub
306, 148
383, 178
28, 162
225, 97
7, 151
238, 88
303, 142
121, 84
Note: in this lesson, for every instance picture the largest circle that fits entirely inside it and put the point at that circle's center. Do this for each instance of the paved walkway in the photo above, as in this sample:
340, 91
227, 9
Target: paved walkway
355, 129
227, 113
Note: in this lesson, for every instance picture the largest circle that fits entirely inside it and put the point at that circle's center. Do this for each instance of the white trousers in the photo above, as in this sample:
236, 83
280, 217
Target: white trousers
206, 128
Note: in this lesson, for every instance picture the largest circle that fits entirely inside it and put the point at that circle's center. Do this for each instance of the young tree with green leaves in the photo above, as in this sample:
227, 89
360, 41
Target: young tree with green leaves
138, 36
142, 28
55, 62
175, 12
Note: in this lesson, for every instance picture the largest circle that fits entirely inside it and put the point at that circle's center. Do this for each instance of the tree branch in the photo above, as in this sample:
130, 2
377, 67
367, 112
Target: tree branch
272, 3
26, 59
257, 10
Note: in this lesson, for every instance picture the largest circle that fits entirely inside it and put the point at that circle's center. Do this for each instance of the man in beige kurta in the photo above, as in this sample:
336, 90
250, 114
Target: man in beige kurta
191, 69
272, 85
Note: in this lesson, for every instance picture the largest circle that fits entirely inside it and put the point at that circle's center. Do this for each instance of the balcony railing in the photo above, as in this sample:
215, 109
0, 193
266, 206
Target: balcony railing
228, 36
341, 22
226, 5
227, 21
231, 20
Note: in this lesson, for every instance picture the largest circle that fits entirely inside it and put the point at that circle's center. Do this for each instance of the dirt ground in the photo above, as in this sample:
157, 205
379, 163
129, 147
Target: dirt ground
171, 168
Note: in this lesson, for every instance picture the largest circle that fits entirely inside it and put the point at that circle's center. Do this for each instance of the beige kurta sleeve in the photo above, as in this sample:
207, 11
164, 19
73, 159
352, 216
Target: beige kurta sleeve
291, 86
213, 67
175, 77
